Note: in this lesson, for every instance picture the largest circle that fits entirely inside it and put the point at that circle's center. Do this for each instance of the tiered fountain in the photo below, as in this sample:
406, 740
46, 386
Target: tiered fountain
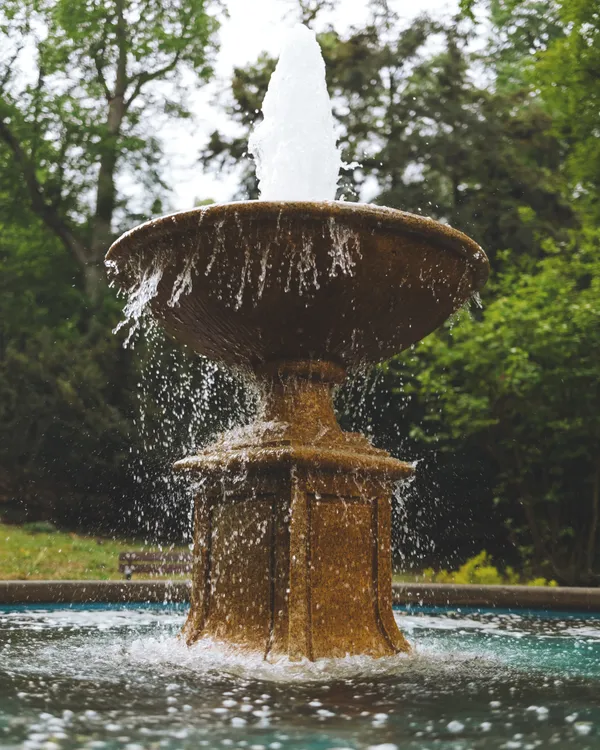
293, 516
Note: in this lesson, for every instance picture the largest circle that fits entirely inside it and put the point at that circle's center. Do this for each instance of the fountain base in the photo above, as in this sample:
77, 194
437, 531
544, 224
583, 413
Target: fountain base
293, 530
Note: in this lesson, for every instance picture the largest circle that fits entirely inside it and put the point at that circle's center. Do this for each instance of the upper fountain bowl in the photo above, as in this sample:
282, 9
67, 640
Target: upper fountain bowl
259, 282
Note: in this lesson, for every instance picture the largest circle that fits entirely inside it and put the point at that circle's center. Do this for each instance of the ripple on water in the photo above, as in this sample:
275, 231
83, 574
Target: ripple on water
119, 677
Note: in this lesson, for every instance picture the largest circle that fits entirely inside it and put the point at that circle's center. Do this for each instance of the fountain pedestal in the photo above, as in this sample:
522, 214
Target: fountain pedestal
293, 529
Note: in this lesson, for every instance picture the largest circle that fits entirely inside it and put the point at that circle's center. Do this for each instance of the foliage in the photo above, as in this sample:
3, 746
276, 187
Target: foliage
34, 553
568, 71
66, 384
81, 118
522, 381
84, 89
480, 570
551, 50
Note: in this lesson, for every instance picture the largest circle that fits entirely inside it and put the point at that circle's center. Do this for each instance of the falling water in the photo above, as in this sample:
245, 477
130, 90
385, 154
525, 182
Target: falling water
297, 158
184, 401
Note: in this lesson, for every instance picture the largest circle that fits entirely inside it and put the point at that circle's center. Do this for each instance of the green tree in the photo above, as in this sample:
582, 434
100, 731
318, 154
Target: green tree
568, 71
85, 88
523, 383
551, 50
79, 107
66, 384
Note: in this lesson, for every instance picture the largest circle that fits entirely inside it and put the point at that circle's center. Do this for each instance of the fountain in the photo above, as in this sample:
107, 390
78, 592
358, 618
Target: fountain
293, 516
292, 540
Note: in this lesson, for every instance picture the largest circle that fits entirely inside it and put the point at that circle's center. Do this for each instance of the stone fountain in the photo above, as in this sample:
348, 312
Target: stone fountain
292, 553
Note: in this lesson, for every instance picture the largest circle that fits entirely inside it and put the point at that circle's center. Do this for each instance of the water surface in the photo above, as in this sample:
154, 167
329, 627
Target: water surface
117, 677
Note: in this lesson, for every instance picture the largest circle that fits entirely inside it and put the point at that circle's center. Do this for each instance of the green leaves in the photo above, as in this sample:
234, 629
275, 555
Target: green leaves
85, 88
524, 383
81, 106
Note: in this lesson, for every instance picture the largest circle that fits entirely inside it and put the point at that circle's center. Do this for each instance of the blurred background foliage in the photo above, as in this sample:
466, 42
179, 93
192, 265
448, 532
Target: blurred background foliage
489, 121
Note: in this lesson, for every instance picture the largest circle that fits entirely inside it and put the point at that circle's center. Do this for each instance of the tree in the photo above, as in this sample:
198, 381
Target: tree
81, 117
65, 392
552, 51
84, 90
524, 383
568, 71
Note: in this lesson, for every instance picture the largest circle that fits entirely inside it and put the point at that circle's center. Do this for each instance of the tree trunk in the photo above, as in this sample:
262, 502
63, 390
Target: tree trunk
102, 235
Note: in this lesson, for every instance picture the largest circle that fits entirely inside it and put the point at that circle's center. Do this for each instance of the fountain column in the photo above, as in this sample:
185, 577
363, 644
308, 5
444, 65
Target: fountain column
293, 529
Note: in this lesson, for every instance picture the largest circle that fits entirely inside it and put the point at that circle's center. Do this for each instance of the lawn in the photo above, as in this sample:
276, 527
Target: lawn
37, 552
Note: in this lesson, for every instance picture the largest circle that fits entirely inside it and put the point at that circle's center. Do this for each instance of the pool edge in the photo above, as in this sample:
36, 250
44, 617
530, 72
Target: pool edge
577, 599
83, 592
420, 594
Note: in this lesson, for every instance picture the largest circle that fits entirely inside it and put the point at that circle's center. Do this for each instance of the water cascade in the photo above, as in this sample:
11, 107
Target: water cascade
292, 516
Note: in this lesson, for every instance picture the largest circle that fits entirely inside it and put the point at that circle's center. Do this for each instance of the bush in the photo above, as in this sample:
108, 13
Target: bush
480, 570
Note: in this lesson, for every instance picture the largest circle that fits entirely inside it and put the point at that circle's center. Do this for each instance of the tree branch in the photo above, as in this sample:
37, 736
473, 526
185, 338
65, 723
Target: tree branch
100, 73
143, 78
310, 10
9, 68
46, 212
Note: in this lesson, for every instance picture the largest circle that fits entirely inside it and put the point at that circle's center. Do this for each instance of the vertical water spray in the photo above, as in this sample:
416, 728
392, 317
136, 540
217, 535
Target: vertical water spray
294, 145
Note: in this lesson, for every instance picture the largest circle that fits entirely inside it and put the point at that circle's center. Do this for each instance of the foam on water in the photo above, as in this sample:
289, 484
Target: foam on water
210, 656
295, 145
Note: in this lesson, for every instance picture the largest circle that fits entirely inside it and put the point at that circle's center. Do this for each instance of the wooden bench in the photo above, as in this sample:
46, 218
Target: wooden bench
154, 563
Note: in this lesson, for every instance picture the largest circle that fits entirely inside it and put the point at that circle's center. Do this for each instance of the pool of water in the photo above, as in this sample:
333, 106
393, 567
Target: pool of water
117, 677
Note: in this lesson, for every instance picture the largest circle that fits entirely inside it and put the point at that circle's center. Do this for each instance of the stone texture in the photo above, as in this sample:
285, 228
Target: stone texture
293, 526
336, 282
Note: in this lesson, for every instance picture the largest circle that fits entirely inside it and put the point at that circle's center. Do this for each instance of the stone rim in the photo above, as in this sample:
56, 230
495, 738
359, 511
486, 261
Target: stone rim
394, 278
388, 218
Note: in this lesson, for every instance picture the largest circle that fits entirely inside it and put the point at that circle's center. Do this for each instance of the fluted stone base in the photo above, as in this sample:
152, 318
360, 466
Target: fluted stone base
293, 531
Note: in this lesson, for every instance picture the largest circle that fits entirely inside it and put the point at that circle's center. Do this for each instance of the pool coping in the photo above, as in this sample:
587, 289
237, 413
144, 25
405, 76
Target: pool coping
421, 594
88, 592
563, 598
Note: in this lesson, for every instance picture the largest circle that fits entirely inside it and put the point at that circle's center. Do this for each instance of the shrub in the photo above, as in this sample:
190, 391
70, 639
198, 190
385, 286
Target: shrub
480, 570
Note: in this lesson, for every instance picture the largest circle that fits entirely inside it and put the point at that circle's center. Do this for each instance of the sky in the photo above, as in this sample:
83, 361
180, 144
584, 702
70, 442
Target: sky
253, 26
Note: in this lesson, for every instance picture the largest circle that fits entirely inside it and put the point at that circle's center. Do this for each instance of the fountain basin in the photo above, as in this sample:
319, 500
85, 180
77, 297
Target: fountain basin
109, 677
258, 282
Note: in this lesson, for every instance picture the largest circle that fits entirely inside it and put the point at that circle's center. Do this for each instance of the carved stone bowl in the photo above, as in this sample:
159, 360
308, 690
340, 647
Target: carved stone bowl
257, 282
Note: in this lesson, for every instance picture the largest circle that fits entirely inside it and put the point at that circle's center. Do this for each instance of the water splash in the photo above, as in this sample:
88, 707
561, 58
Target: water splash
344, 241
139, 296
183, 282
295, 145
183, 402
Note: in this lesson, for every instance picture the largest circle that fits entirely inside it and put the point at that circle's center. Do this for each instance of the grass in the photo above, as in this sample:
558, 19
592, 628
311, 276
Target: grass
38, 552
